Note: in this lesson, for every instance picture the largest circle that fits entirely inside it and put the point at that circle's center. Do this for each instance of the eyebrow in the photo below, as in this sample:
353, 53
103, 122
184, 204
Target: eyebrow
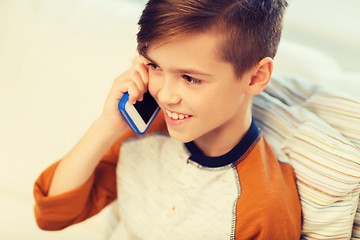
179, 70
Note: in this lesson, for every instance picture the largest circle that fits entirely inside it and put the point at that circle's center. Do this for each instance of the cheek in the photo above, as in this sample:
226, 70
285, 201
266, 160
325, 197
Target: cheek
153, 90
205, 105
221, 103
154, 84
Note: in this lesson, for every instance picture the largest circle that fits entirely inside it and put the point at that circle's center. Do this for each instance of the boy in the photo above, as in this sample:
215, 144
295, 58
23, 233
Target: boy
203, 170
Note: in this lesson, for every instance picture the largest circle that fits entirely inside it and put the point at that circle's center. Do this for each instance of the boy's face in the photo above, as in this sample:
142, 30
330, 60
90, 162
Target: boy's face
200, 95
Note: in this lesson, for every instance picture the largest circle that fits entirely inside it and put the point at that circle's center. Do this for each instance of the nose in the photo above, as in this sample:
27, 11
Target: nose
167, 93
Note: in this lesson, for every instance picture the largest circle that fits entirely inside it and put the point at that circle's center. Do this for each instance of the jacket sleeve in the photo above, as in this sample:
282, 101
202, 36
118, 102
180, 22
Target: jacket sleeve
60, 211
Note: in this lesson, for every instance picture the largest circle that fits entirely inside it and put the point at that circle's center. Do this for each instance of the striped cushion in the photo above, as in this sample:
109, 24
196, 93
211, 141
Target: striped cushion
317, 132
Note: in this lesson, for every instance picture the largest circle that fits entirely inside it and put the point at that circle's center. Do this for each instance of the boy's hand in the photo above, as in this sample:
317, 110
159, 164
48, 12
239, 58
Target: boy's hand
134, 81
79, 164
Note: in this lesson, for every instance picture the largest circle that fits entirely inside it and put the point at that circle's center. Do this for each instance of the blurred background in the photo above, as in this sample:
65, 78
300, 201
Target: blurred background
58, 60
331, 26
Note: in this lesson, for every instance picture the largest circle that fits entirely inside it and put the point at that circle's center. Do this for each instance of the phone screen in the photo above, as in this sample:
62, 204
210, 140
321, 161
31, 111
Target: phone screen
146, 107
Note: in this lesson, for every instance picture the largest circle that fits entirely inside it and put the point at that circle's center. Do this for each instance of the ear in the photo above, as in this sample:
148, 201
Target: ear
260, 77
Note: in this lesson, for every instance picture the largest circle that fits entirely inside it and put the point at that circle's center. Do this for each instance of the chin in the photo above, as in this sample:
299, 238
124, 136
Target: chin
181, 137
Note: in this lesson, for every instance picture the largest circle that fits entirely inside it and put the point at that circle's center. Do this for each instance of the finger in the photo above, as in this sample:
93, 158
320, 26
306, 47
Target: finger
138, 81
119, 86
144, 73
140, 59
134, 92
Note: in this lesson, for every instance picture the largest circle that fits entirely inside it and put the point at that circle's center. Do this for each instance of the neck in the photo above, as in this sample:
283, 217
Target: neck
225, 138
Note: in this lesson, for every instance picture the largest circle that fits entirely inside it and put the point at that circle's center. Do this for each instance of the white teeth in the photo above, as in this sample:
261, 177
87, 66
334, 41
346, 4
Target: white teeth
176, 116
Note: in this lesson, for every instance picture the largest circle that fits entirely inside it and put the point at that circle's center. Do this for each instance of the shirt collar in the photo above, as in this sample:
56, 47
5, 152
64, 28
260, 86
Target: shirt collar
251, 137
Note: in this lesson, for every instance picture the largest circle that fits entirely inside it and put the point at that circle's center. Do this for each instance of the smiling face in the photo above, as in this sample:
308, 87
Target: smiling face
201, 97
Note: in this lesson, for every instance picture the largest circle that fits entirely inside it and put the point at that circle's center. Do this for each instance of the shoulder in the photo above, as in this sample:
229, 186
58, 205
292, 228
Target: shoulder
268, 205
260, 158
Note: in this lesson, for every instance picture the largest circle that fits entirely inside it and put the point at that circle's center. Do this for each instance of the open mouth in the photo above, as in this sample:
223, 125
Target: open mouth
176, 116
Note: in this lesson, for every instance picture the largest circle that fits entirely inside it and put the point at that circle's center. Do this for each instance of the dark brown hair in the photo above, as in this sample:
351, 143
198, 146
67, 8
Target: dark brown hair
248, 30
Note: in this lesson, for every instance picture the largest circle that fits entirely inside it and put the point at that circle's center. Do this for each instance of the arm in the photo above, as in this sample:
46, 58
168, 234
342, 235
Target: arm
77, 167
59, 211
80, 185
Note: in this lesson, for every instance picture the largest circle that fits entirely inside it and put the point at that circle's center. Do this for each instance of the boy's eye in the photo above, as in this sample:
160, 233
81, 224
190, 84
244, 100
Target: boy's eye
191, 79
153, 66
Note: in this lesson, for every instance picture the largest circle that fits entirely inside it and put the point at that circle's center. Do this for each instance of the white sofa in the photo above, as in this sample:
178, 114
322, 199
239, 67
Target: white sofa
57, 62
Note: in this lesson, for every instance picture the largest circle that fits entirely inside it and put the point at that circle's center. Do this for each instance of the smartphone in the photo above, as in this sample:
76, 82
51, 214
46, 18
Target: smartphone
140, 115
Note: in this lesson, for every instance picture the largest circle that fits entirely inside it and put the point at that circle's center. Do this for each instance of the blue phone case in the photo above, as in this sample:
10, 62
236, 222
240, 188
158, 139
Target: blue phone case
127, 117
